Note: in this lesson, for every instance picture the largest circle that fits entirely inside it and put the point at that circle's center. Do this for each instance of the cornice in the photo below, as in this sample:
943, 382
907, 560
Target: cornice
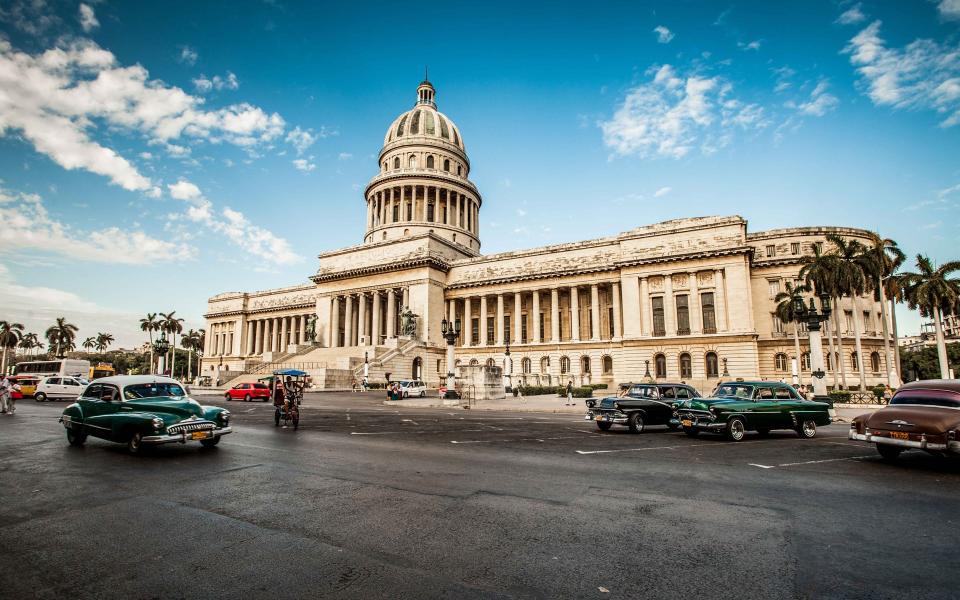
424, 261
406, 175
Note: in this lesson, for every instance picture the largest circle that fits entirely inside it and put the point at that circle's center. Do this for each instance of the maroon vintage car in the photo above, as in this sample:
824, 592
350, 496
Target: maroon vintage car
923, 414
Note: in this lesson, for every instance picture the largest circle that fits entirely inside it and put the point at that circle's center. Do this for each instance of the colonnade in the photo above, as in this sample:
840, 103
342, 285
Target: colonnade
220, 339
422, 203
366, 318
678, 303
269, 334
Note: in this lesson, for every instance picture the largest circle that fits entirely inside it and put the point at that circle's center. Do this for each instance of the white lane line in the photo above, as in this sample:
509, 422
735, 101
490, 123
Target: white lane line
714, 444
508, 441
250, 410
826, 460
761, 466
409, 421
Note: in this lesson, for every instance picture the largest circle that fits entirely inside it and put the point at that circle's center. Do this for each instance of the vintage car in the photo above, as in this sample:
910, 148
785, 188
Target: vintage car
142, 410
924, 415
737, 407
638, 405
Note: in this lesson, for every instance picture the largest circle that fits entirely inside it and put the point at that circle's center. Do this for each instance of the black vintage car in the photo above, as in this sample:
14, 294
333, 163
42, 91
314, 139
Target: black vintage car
638, 405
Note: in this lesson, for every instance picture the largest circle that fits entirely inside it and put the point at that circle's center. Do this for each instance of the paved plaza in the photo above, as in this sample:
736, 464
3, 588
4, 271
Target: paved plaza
371, 501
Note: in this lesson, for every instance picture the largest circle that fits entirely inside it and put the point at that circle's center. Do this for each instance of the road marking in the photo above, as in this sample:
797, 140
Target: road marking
507, 441
826, 460
761, 466
717, 444
410, 421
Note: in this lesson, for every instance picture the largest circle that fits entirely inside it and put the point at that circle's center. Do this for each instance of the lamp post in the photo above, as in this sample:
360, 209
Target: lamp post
450, 331
507, 368
814, 319
160, 348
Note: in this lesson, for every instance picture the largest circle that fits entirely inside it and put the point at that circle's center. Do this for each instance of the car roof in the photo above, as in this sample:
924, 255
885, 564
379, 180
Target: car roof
946, 385
121, 380
774, 383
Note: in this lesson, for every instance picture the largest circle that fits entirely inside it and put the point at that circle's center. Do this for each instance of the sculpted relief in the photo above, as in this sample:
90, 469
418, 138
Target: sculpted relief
281, 301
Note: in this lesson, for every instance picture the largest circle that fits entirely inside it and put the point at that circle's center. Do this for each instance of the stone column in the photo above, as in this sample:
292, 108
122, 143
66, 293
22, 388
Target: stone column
669, 310
517, 315
617, 328
467, 323
405, 298
535, 301
258, 342
482, 334
696, 316
391, 313
251, 327
720, 301
595, 312
499, 332
646, 316
302, 338
361, 319
554, 315
375, 330
453, 210
574, 315
348, 322
334, 335
282, 346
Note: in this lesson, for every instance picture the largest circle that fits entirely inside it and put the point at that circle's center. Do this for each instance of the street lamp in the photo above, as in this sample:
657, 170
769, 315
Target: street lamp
160, 348
814, 319
507, 367
450, 331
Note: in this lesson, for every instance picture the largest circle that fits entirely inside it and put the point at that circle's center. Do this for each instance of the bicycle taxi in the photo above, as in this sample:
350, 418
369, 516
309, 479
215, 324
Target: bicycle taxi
286, 389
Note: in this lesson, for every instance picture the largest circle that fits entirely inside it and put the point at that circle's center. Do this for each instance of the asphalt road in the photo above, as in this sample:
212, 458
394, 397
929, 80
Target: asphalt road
368, 502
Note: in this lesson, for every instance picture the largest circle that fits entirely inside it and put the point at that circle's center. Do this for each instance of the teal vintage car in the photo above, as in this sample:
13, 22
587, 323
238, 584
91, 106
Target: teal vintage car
737, 407
142, 410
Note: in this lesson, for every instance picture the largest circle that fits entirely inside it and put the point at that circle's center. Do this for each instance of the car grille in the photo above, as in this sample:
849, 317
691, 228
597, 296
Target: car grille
188, 426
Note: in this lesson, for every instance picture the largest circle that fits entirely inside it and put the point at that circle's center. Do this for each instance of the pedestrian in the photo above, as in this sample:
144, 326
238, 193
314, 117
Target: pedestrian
4, 395
570, 393
366, 383
15, 394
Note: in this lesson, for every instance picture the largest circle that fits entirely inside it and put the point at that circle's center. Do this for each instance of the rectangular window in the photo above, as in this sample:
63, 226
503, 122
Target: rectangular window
475, 331
849, 318
523, 329
430, 212
818, 247
506, 328
659, 325
491, 328
867, 323
444, 214
774, 285
795, 248
410, 211
771, 250
683, 315
438, 365
777, 324
396, 213
542, 329
709, 314
610, 320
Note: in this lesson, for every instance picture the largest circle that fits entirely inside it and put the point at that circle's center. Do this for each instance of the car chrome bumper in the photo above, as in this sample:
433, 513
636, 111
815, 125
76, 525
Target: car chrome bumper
706, 423
953, 446
615, 418
183, 437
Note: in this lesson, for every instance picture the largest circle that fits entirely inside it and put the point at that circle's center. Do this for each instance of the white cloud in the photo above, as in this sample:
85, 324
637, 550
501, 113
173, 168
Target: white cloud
344, 156
852, 15
88, 20
949, 10
203, 84
754, 45
146, 156
820, 103
673, 114
184, 190
188, 55
664, 35
302, 139
923, 75
662, 192
521, 212
29, 226
303, 164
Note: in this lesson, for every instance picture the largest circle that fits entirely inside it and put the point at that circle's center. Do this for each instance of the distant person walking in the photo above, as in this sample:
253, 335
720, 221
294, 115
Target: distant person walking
570, 393
4, 395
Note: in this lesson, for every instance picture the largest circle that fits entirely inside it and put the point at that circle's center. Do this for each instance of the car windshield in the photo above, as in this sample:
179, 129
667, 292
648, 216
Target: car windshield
260, 386
734, 391
643, 391
926, 400
152, 390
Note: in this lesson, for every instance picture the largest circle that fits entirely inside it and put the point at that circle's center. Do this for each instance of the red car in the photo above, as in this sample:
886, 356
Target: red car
248, 392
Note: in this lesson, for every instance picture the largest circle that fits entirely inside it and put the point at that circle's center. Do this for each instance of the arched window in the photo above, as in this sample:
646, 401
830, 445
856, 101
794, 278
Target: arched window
490, 362
831, 360
854, 360
430, 162
526, 365
457, 363
384, 166
805, 361
459, 170
584, 365
875, 361
607, 364
686, 366
412, 162
406, 232
474, 362
446, 165
712, 364
660, 366
780, 361
544, 364
564, 365
417, 370
384, 235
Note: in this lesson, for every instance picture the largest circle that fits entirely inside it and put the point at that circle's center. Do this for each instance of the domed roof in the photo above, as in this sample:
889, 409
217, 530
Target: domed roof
424, 120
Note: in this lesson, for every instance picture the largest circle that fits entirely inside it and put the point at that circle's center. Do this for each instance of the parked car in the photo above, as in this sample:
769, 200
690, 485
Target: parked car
142, 410
638, 405
248, 392
27, 383
761, 406
409, 389
922, 415
59, 388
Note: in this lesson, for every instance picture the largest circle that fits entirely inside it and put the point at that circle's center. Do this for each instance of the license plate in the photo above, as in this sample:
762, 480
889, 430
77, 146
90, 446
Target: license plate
900, 435
599, 417
200, 435
686, 423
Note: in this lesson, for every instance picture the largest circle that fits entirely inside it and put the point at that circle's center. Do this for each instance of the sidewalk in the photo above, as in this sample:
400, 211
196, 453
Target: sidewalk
549, 403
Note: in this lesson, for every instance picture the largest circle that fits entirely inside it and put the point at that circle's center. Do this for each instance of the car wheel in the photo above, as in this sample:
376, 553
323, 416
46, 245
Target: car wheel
690, 431
736, 429
246, 398
406, 394
889, 452
76, 438
604, 425
423, 394
135, 444
763, 432
673, 426
227, 397
211, 442
635, 423
40, 397
807, 430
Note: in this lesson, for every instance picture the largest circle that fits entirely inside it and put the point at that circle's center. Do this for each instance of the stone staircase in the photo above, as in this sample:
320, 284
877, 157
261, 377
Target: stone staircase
393, 360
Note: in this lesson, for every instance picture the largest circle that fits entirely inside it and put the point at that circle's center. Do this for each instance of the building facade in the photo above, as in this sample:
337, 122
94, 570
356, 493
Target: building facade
684, 300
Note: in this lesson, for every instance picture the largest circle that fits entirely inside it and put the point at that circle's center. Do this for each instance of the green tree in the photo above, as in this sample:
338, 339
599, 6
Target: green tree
934, 293
28, 343
887, 258
61, 336
150, 324
172, 325
787, 313
820, 271
103, 341
89, 344
853, 278
10, 334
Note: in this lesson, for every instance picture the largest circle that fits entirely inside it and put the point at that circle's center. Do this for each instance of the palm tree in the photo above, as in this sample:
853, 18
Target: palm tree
887, 257
787, 314
172, 325
61, 336
10, 334
28, 342
103, 341
89, 344
854, 278
190, 342
893, 288
150, 324
934, 293
819, 272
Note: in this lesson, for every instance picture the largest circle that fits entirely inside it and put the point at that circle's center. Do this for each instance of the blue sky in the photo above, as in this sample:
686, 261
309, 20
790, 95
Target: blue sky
154, 155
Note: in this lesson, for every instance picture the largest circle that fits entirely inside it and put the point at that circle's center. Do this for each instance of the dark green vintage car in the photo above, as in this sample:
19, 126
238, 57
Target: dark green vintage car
737, 407
142, 411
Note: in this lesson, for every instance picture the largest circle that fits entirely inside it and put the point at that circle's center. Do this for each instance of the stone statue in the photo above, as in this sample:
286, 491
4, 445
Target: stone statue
311, 330
408, 322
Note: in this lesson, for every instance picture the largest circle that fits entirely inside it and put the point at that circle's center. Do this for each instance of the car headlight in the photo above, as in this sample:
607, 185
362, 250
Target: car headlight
157, 423
616, 405
225, 417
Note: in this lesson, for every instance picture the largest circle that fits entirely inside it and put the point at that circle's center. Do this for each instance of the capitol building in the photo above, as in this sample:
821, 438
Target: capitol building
687, 300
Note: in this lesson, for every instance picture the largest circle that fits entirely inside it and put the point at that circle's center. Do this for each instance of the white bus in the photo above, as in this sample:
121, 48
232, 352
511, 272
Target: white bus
45, 368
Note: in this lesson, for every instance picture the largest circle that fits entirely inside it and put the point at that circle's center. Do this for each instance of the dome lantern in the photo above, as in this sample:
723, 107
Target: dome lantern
426, 94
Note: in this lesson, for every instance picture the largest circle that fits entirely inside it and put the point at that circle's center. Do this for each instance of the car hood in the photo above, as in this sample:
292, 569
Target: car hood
169, 408
706, 403
608, 402
930, 419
